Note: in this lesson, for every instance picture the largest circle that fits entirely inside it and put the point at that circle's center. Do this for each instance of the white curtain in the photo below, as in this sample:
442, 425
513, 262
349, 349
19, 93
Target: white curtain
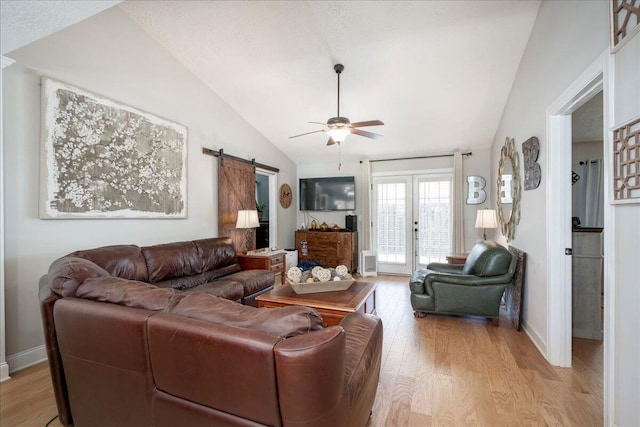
366, 206
588, 193
457, 234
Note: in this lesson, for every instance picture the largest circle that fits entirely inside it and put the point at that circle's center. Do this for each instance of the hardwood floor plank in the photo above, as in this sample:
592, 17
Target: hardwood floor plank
436, 371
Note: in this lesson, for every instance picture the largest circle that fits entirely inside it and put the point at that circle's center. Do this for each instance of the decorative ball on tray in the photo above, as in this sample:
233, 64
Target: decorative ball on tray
294, 274
319, 279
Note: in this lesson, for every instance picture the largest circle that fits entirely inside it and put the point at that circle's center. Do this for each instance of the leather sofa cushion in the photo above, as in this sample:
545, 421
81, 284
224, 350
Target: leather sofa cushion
124, 261
487, 258
253, 280
493, 262
66, 274
172, 260
285, 322
473, 256
128, 293
216, 253
223, 288
188, 282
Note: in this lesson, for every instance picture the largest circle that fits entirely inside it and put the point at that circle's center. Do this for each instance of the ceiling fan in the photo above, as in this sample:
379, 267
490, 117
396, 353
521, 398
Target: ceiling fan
339, 127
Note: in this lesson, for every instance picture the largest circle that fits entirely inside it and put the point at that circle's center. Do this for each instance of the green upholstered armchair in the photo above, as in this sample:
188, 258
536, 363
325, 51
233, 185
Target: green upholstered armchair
474, 288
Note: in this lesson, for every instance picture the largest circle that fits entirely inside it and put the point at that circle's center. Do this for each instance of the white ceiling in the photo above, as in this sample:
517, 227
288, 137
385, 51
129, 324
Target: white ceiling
438, 73
25, 21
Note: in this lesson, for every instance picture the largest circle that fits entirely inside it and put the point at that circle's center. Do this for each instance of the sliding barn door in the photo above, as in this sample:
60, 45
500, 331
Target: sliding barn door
236, 191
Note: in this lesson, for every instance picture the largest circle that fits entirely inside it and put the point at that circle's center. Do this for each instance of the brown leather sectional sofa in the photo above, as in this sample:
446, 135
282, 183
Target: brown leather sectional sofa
146, 337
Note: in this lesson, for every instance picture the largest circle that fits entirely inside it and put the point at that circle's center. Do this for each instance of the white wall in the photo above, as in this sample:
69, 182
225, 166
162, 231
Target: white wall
589, 150
627, 253
109, 55
567, 38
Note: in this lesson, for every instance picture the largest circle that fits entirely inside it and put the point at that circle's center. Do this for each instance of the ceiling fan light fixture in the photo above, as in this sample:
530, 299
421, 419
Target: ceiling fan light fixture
339, 127
339, 134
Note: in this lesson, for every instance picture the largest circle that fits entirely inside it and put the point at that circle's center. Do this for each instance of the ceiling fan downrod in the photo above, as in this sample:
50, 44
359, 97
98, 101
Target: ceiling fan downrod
339, 68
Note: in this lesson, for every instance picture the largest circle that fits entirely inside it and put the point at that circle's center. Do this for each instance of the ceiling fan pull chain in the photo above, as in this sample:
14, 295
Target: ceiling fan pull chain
339, 155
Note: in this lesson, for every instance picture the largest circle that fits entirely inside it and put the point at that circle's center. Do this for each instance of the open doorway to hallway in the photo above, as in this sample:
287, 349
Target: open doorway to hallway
587, 264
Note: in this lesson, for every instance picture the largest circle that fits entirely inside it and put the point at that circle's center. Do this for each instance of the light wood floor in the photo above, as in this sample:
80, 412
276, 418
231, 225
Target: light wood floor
439, 370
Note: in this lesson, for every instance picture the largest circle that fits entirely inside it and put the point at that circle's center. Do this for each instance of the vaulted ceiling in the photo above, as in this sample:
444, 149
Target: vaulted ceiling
437, 73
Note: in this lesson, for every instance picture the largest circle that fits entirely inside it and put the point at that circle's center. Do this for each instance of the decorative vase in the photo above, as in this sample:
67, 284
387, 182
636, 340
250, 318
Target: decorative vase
314, 224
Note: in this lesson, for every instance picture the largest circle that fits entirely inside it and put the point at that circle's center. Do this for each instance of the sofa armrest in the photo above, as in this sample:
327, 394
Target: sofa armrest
363, 359
416, 283
467, 279
442, 267
310, 371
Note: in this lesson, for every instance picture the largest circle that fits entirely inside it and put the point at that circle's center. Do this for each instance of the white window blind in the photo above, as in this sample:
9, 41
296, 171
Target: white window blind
434, 219
392, 222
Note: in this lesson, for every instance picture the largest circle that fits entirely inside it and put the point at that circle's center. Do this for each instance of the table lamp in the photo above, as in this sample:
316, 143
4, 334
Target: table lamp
486, 218
248, 219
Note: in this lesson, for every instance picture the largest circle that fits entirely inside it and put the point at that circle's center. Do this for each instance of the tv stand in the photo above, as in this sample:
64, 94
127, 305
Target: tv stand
329, 248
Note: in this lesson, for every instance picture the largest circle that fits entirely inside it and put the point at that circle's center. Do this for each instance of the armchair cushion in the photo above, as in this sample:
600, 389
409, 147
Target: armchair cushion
487, 258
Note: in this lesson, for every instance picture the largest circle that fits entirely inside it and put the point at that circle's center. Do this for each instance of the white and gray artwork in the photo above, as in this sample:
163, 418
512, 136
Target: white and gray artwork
101, 159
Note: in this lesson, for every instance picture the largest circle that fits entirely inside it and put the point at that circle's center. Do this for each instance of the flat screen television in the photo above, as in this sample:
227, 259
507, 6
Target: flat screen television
328, 194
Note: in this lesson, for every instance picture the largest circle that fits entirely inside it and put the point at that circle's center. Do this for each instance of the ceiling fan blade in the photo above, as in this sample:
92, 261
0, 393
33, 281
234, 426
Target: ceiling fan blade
308, 133
331, 141
368, 123
365, 133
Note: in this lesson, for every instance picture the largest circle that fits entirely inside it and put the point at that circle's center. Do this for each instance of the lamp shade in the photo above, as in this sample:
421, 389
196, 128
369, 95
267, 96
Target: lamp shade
486, 218
247, 219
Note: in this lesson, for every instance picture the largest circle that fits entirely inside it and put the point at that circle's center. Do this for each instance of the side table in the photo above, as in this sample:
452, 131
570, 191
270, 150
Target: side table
273, 262
457, 258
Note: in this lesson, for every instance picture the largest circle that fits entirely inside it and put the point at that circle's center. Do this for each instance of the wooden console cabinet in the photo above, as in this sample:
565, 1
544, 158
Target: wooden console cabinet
329, 248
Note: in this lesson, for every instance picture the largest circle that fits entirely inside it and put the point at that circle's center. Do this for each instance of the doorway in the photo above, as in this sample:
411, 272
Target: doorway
596, 78
587, 155
266, 201
413, 220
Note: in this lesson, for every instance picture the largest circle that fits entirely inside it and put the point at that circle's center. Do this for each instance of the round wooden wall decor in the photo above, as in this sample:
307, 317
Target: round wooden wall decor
285, 196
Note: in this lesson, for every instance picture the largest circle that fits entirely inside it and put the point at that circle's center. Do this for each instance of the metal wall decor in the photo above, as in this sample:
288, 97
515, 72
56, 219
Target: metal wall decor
475, 190
625, 21
509, 166
626, 162
103, 159
532, 172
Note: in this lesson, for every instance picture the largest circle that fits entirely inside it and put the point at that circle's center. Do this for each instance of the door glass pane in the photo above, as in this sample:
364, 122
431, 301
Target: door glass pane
434, 220
392, 222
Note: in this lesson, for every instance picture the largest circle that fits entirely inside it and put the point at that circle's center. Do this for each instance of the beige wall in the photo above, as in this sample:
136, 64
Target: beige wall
109, 55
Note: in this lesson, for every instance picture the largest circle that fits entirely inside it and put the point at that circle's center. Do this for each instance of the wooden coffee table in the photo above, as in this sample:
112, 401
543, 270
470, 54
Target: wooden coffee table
332, 306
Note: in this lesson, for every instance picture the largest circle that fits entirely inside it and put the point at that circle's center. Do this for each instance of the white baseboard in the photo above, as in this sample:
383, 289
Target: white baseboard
4, 371
26, 358
535, 337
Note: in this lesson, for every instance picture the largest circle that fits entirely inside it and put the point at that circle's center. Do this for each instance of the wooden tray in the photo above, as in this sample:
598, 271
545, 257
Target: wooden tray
315, 287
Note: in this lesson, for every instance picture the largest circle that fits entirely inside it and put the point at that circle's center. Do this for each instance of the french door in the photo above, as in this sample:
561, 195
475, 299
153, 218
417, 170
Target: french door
412, 221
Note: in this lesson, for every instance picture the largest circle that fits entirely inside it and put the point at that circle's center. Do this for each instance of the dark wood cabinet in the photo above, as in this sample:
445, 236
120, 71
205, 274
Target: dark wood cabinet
329, 248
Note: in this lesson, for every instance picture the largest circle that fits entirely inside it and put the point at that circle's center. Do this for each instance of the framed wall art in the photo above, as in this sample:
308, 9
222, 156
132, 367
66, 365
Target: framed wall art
102, 159
624, 21
626, 162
